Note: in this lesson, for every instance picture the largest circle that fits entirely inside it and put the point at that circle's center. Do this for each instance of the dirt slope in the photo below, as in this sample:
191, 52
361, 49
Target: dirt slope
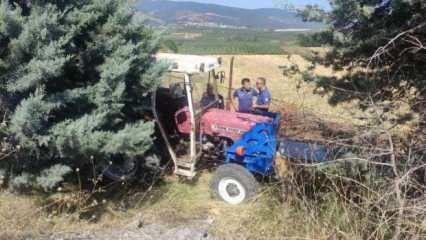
196, 230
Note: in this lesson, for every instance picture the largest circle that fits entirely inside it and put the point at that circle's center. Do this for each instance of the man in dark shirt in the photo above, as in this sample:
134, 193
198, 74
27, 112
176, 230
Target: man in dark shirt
210, 99
245, 97
264, 97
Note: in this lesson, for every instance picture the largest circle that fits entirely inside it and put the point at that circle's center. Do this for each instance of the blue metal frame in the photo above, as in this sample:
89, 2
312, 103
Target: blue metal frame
260, 146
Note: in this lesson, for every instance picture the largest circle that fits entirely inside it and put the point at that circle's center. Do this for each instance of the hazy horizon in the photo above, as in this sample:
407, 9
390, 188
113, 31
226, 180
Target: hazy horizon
262, 3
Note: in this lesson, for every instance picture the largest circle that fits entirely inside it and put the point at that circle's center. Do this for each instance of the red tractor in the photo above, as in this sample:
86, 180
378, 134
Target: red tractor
189, 128
245, 145
192, 125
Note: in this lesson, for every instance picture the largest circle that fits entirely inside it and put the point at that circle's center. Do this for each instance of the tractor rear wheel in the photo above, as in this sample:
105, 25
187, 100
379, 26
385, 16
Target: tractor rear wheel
233, 184
122, 169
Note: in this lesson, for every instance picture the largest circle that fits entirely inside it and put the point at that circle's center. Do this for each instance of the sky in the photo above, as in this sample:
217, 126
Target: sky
262, 3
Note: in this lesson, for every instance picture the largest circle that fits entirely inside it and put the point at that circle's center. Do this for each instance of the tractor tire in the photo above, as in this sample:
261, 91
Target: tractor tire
233, 184
122, 171
127, 170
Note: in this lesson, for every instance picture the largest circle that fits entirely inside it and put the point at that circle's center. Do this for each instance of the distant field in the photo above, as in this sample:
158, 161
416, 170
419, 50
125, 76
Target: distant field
233, 41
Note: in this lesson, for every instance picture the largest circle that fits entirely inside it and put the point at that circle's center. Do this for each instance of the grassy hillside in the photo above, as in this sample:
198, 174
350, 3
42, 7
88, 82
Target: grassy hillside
171, 203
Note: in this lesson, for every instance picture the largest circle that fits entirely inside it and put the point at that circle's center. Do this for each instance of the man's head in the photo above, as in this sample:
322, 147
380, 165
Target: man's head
246, 83
261, 83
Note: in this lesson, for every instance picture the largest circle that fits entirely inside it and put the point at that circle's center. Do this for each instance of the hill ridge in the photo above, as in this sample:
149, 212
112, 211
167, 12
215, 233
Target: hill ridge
206, 14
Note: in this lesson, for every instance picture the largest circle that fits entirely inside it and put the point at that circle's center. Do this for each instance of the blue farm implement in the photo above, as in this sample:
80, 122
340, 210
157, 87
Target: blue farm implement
255, 154
257, 148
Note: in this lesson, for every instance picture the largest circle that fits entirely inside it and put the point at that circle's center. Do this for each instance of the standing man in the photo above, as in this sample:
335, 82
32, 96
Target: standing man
264, 97
245, 97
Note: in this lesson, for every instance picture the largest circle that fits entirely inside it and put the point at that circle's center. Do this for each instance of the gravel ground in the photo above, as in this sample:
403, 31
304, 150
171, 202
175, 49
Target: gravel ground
195, 230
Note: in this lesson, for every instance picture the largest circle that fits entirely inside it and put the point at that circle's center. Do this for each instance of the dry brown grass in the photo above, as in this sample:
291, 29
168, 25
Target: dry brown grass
264, 218
28, 217
173, 203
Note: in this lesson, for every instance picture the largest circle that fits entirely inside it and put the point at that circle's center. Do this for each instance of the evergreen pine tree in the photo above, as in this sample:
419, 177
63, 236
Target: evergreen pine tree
72, 77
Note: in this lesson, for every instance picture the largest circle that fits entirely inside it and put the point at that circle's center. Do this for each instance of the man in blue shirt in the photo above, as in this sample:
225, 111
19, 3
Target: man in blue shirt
245, 97
264, 97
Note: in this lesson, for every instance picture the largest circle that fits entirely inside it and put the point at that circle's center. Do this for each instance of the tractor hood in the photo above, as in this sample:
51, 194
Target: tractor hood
221, 123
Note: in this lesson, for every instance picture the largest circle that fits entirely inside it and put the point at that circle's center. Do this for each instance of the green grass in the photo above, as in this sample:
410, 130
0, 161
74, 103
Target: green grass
232, 41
